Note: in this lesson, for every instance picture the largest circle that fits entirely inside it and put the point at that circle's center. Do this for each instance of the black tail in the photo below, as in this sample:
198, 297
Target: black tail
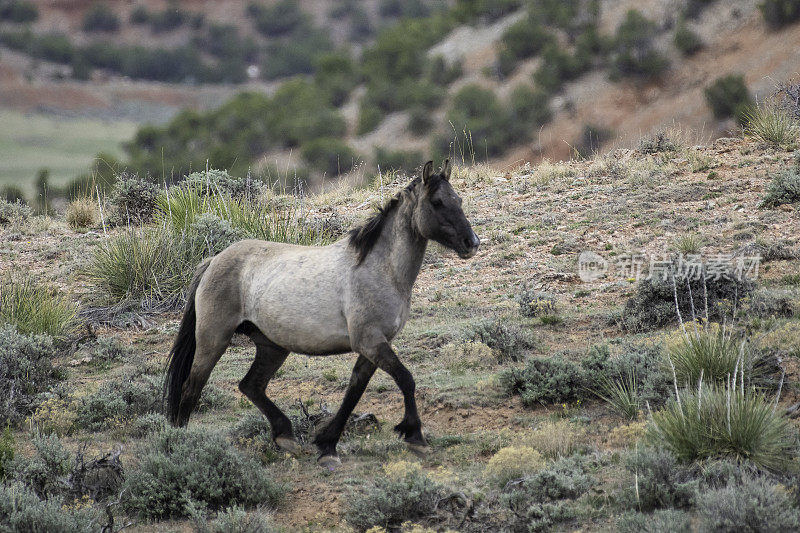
181, 356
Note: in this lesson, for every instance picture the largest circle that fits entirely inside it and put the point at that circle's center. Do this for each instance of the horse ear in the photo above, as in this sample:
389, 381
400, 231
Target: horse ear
427, 170
446, 169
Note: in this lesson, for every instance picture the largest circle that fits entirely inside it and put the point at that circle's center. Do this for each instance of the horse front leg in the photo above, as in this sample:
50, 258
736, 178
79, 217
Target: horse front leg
410, 428
327, 438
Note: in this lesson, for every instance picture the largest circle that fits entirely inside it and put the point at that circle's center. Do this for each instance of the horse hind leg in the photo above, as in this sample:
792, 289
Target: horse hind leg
210, 347
269, 358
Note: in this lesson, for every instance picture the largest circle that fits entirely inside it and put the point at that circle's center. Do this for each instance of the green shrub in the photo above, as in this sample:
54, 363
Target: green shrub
299, 56
237, 519
12, 194
19, 11
633, 50
530, 109
6, 451
783, 189
658, 522
686, 41
398, 160
132, 200
772, 124
22, 511
653, 304
656, 144
558, 67
753, 505
181, 470
168, 19
420, 121
545, 498
26, 371
638, 369
545, 381
337, 74
119, 401
477, 113
508, 340
658, 481
214, 233
779, 13
329, 155
525, 38
282, 18
149, 423
728, 96
139, 15
16, 211
99, 18
392, 500
723, 422
369, 116
46, 470
35, 308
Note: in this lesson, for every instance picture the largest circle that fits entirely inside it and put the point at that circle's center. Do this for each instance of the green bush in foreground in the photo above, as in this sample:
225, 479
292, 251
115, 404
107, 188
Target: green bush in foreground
26, 371
722, 422
22, 511
183, 470
16, 211
659, 521
658, 481
390, 501
751, 505
783, 189
35, 308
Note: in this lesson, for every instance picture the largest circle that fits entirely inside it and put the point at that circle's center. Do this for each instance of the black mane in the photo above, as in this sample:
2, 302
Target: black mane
363, 238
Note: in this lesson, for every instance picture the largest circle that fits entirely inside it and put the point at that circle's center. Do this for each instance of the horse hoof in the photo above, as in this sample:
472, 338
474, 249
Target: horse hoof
420, 450
329, 462
289, 445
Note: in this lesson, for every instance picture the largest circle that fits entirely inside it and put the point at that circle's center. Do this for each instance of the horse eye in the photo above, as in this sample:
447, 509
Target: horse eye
436, 202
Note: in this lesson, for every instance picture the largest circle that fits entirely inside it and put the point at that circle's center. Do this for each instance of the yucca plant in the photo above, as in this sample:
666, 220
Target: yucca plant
725, 421
273, 221
770, 124
35, 308
714, 353
151, 266
621, 395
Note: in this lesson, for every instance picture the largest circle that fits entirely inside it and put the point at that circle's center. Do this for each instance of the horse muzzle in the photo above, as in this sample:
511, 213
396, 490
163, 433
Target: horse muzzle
470, 246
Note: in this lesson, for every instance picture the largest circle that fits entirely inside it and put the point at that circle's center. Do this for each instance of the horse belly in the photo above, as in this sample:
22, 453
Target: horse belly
301, 313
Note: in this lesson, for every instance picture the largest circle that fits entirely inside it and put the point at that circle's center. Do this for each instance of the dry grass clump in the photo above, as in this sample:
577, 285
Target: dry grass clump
557, 438
462, 356
626, 435
82, 213
513, 462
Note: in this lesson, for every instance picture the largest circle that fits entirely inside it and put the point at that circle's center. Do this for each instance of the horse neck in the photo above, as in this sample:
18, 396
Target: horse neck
403, 248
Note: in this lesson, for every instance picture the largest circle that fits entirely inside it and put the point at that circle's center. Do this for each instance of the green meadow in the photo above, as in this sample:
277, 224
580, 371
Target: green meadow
64, 146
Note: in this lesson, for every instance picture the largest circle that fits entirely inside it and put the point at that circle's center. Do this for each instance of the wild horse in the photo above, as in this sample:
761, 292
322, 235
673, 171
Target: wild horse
351, 296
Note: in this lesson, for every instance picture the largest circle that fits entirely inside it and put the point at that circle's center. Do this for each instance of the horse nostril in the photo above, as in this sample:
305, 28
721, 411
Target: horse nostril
472, 241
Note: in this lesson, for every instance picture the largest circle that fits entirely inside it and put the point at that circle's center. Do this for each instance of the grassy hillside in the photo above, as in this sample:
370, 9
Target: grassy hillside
507, 350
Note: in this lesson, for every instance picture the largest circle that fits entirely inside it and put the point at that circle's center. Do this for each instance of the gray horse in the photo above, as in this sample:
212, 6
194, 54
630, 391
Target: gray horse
351, 296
